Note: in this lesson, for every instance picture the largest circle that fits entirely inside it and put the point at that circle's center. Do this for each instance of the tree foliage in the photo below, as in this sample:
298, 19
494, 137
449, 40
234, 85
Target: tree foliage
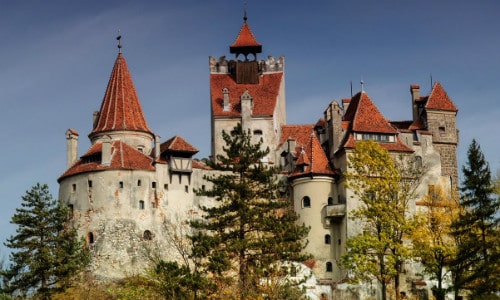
251, 228
477, 228
384, 186
433, 242
47, 253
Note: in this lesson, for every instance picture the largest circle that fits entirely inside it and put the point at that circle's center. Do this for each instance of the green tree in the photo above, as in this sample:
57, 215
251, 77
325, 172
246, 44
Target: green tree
384, 186
252, 227
47, 253
477, 228
433, 242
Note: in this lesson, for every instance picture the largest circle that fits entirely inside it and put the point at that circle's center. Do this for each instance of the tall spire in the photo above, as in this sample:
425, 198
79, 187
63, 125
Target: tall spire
245, 42
120, 109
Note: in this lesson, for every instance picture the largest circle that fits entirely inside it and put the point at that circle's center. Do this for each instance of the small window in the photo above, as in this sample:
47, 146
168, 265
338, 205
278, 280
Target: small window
120, 184
328, 239
257, 132
330, 201
141, 204
165, 187
139, 182
186, 189
71, 211
73, 187
90, 183
153, 184
306, 202
148, 236
340, 242
293, 271
203, 187
90, 238
418, 161
329, 267
442, 129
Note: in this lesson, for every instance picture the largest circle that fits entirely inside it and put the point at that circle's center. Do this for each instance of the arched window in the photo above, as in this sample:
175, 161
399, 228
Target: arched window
306, 202
329, 267
330, 201
328, 239
90, 238
147, 236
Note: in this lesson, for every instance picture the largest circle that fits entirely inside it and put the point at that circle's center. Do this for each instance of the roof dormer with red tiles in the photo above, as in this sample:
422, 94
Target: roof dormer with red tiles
121, 116
364, 121
246, 77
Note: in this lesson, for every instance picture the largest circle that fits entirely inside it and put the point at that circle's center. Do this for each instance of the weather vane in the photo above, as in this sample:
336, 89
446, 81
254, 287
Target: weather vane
119, 39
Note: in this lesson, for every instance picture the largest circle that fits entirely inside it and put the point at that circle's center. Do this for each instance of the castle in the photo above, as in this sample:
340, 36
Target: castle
130, 190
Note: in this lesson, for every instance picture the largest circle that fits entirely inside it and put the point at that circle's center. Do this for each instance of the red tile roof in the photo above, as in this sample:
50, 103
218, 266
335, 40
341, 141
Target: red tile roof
299, 133
438, 99
365, 116
314, 159
123, 157
177, 144
120, 108
245, 39
264, 94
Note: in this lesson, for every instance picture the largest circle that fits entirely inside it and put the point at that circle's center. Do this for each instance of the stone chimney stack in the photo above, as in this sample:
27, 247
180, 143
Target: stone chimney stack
415, 96
72, 147
225, 92
106, 151
246, 110
157, 147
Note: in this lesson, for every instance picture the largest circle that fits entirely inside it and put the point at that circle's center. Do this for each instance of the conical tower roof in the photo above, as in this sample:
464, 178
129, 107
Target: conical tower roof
121, 108
245, 42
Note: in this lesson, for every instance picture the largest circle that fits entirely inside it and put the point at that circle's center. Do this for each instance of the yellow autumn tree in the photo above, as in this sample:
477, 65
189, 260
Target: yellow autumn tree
384, 186
433, 242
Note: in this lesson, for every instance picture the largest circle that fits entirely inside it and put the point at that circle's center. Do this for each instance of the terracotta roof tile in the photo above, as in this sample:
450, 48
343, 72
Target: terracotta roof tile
245, 39
299, 133
365, 116
438, 99
264, 94
120, 108
123, 157
177, 144
314, 159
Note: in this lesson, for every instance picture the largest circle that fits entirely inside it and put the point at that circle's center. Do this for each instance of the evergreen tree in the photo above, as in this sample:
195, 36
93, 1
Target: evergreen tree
252, 228
46, 252
384, 186
477, 228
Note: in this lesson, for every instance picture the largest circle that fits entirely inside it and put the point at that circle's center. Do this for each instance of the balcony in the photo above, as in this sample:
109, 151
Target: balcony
335, 211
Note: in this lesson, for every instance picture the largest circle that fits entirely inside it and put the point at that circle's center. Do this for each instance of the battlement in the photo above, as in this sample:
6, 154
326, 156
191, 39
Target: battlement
224, 66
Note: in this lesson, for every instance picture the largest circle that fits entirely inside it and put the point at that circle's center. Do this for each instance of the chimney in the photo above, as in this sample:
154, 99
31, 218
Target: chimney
106, 151
246, 110
71, 147
415, 96
345, 104
157, 147
225, 92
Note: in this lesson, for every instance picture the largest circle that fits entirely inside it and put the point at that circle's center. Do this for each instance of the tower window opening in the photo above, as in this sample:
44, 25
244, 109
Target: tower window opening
120, 184
139, 183
257, 132
70, 211
306, 202
328, 239
329, 267
90, 238
165, 187
186, 189
330, 201
73, 187
90, 183
141, 204
153, 185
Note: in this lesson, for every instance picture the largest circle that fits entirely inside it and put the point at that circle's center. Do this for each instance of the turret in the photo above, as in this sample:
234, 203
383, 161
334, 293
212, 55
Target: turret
72, 147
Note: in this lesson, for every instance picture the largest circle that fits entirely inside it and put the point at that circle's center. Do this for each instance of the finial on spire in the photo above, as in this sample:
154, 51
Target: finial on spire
362, 86
119, 39
245, 11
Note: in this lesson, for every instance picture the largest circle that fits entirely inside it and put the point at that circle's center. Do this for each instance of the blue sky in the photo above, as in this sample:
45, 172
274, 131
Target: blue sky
56, 58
